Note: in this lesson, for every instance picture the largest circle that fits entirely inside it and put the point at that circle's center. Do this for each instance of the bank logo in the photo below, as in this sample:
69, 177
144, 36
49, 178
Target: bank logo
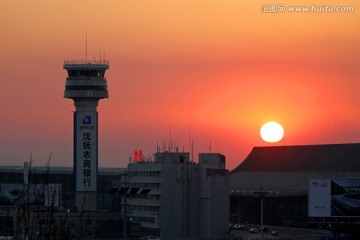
86, 120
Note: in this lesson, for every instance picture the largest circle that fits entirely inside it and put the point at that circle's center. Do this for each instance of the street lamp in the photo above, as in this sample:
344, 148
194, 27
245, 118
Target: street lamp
262, 194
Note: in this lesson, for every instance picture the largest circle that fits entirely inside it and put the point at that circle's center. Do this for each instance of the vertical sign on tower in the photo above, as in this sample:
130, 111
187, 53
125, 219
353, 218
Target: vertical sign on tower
86, 152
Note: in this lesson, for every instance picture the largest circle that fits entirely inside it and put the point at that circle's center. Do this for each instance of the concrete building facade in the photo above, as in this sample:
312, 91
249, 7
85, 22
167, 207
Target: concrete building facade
174, 198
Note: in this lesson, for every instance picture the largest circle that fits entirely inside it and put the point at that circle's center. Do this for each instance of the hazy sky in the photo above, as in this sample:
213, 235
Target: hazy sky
213, 70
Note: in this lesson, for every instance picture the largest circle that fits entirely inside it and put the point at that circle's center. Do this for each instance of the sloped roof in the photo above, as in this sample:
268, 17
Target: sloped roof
282, 183
327, 157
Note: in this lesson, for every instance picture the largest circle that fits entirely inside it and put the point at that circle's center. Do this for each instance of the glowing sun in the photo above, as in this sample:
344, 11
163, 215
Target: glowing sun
272, 132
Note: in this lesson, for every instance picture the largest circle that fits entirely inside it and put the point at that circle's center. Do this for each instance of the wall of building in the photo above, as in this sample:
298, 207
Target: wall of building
144, 208
193, 198
214, 198
173, 213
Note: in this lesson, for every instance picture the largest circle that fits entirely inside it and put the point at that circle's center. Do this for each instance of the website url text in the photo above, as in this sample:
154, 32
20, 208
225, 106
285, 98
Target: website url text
282, 8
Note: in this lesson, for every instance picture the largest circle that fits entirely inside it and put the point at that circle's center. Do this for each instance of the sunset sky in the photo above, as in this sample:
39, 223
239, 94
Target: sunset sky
212, 71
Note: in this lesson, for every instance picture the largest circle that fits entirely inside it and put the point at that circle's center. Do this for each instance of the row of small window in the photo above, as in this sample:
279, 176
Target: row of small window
149, 197
65, 221
145, 185
88, 233
153, 197
144, 174
86, 73
144, 208
143, 219
352, 187
151, 232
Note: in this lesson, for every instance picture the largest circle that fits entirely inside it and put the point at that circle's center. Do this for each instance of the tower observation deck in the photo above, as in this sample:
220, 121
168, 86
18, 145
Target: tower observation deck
86, 80
86, 85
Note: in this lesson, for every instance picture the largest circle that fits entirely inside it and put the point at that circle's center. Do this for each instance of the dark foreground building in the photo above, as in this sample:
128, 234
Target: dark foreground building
40, 201
281, 175
168, 197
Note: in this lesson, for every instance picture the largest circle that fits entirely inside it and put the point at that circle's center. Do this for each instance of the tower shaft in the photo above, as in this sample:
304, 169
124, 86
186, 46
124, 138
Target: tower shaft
86, 85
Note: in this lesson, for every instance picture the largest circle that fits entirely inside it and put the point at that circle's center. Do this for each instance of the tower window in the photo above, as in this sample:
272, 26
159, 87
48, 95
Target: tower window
86, 73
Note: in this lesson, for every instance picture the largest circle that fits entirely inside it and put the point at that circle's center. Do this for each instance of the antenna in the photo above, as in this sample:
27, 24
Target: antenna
164, 145
86, 46
192, 150
171, 145
189, 138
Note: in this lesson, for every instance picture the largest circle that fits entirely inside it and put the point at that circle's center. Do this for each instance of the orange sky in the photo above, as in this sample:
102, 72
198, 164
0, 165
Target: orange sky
214, 71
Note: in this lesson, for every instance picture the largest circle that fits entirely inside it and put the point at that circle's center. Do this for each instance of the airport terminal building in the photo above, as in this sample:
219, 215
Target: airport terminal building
283, 177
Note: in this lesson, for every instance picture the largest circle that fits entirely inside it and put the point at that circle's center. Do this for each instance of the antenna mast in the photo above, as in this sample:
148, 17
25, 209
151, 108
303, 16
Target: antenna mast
171, 144
86, 46
189, 139
192, 150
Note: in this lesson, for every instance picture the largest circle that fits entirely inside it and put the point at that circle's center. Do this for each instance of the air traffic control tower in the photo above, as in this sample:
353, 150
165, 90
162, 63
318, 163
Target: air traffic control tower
86, 85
